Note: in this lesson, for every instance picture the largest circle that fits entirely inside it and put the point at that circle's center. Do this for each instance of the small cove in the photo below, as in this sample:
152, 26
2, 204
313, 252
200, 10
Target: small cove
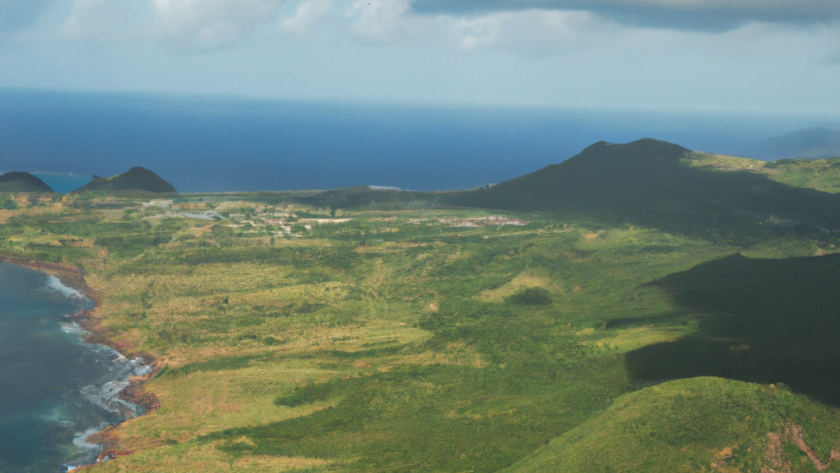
54, 388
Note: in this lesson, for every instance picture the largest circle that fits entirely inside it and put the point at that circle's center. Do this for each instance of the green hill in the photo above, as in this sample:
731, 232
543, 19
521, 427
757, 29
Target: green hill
820, 174
698, 424
659, 184
22, 182
136, 179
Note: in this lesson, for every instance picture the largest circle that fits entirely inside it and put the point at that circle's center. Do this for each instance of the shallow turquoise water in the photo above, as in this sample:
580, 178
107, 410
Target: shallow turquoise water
53, 387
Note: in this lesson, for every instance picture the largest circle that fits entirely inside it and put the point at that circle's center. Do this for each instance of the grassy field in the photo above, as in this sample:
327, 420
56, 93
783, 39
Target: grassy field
820, 174
313, 338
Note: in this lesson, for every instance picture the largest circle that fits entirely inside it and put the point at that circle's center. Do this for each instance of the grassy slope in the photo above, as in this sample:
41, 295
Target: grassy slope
492, 369
820, 174
391, 342
698, 424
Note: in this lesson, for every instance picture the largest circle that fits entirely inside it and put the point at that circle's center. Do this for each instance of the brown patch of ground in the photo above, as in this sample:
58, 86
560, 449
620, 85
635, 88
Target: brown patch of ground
136, 394
592, 236
5, 215
720, 457
774, 455
775, 460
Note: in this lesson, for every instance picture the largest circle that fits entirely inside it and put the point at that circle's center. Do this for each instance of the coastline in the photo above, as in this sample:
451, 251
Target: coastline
73, 278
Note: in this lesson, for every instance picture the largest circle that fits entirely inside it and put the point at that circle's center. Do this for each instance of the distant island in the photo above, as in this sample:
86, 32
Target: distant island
22, 182
136, 179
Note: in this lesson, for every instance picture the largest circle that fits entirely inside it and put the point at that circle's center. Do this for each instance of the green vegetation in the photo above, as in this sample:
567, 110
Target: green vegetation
820, 174
378, 331
134, 180
697, 424
7, 203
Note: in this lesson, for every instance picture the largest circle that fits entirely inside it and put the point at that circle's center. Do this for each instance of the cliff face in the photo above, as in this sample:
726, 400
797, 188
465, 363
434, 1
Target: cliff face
136, 179
22, 182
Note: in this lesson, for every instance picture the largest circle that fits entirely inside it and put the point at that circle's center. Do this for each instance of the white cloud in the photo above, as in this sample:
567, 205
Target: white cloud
208, 24
529, 32
388, 50
185, 25
385, 21
534, 31
306, 14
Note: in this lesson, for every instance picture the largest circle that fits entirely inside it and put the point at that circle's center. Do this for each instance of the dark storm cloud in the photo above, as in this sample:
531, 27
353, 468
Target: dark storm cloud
18, 14
676, 14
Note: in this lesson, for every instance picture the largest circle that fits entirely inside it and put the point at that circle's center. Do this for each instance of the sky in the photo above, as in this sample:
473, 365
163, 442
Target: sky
757, 56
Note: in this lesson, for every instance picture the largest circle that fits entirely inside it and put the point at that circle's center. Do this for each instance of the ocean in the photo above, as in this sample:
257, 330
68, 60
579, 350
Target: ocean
54, 388
212, 144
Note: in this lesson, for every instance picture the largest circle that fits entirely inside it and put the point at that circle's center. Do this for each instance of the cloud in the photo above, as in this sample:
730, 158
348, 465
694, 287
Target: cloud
535, 31
532, 32
16, 15
676, 14
384, 21
305, 15
209, 24
177, 25
104, 20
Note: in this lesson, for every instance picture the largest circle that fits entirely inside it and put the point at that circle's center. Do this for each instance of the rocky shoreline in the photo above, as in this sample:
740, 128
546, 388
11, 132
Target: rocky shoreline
133, 393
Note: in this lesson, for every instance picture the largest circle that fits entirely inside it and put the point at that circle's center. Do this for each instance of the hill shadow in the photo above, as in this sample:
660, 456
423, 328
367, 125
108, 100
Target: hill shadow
765, 321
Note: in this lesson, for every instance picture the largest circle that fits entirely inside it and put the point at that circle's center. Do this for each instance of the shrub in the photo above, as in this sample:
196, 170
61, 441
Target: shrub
531, 296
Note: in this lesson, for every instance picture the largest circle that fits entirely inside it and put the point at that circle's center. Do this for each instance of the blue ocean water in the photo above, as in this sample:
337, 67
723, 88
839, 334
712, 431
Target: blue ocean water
54, 389
63, 182
226, 144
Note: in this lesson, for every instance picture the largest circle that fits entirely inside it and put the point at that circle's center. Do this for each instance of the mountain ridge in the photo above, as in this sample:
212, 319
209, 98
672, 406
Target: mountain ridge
136, 179
656, 183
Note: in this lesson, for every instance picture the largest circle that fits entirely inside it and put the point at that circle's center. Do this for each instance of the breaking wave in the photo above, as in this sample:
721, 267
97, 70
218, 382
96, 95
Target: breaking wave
105, 393
55, 284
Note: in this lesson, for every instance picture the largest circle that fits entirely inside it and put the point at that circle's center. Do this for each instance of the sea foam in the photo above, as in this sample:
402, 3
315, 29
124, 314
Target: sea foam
54, 284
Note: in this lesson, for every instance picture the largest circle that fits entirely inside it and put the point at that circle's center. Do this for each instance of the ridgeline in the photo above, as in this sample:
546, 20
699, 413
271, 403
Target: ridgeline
662, 185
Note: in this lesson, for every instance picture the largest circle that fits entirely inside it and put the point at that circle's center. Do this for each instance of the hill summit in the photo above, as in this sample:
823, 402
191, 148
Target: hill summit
659, 184
22, 182
136, 179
